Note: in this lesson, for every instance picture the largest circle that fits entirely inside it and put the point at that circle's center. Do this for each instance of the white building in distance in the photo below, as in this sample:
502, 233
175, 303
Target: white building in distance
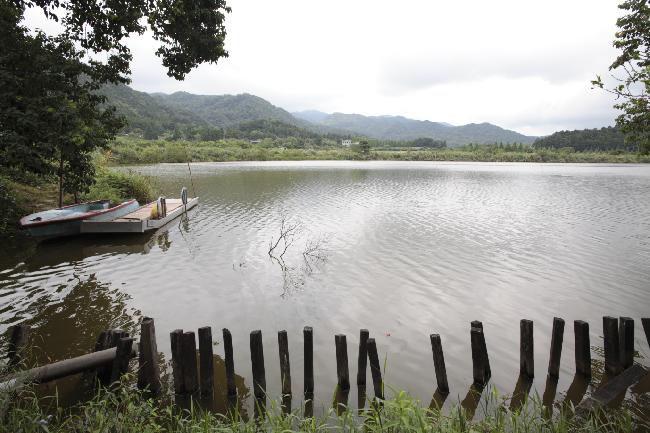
346, 143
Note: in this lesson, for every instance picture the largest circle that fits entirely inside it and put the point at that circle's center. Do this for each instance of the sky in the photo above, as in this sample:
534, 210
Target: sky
520, 64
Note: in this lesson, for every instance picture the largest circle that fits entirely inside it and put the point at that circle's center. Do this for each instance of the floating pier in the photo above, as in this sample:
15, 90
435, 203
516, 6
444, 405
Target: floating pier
140, 221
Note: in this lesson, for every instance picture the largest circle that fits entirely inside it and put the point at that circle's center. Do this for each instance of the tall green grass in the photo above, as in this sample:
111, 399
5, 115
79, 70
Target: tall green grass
127, 410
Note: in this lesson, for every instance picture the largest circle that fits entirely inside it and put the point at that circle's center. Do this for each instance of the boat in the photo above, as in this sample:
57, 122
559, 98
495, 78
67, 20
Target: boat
149, 217
66, 221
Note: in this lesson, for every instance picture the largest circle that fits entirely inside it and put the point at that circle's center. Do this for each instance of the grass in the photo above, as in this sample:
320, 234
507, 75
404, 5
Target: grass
127, 150
127, 410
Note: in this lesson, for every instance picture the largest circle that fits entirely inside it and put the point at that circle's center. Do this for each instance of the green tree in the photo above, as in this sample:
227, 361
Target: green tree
632, 67
51, 116
364, 147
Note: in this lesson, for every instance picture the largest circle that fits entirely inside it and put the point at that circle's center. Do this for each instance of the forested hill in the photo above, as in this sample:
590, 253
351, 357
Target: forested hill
185, 115
402, 128
609, 138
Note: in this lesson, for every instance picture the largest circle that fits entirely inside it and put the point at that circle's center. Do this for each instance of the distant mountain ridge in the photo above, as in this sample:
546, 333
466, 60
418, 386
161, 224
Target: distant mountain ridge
156, 114
402, 128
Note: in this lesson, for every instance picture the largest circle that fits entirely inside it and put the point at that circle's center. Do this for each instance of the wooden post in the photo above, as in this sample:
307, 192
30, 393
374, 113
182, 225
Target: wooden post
439, 364
626, 338
557, 339
308, 336
285, 367
483, 348
18, 338
526, 353
230, 362
122, 356
342, 370
257, 361
375, 369
646, 328
612, 346
188, 358
107, 340
176, 341
148, 368
583, 348
363, 357
206, 361
480, 367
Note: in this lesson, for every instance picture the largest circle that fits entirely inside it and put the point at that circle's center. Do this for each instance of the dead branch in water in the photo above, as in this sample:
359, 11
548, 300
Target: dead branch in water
287, 235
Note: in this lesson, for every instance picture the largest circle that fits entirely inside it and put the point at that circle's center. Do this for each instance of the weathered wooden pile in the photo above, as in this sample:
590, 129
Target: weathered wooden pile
193, 370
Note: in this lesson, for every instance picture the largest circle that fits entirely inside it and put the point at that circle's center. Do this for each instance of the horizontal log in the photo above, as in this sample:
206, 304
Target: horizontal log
57, 370
612, 389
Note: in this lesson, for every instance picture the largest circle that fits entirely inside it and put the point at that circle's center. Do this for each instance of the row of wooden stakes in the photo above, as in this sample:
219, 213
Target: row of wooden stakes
188, 379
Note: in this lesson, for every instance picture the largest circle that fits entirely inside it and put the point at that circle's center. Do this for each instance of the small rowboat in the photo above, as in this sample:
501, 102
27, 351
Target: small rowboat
66, 221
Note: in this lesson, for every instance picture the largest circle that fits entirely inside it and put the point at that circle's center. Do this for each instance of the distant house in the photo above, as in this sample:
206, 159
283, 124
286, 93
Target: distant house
256, 141
346, 143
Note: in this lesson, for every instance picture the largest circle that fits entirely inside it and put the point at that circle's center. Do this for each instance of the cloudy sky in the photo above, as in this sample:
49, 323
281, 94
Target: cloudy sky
521, 64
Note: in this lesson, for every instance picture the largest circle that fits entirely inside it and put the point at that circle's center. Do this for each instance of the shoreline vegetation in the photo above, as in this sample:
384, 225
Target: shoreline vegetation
123, 408
132, 151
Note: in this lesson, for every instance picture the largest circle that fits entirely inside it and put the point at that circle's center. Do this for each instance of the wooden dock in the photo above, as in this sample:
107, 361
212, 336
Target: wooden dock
140, 221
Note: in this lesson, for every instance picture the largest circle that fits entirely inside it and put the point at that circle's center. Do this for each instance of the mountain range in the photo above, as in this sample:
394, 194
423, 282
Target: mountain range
158, 114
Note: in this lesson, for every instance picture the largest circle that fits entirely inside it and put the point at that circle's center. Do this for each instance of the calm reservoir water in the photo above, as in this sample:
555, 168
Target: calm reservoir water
402, 249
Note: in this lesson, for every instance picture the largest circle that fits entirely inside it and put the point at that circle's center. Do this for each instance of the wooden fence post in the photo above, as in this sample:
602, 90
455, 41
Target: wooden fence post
483, 347
626, 339
206, 361
257, 361
375, 369
308, 336
285, 367
557, 339
120, 365
176, 341
439, 364
188, 358
480, 363
342, 369
230, 363
646, 328
526, 350
18, 338
612, 345
363, 357
582, 348
148, 368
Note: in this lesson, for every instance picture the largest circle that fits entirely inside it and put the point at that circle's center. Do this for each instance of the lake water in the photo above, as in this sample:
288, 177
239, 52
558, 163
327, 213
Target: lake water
402, 249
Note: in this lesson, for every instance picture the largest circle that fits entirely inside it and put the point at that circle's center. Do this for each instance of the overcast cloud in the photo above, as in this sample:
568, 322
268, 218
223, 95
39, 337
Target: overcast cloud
524, 65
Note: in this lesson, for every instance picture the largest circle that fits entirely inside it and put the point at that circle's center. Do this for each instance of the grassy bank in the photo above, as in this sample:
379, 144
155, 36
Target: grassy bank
137, 151
22, 197
125, 410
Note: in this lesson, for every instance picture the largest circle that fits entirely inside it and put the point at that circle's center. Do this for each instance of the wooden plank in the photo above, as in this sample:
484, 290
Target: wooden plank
148, 368
176, 338
613, 389
308, 337
557, 338
257, 361
612, 345
18, 339
342, 369
375, 369
439, 364
582, 348
206, 361
123, 351
188, 358
526, 350
626, 339
363, 357
285, 367
230, 363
